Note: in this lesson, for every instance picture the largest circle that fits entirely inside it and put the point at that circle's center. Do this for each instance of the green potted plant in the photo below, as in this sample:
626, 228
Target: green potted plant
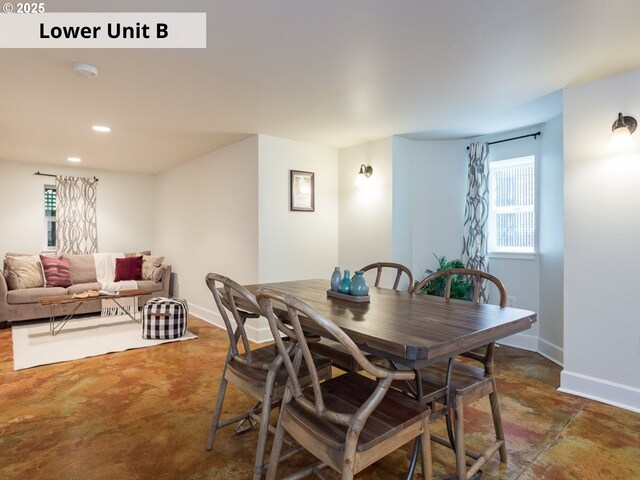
460, 286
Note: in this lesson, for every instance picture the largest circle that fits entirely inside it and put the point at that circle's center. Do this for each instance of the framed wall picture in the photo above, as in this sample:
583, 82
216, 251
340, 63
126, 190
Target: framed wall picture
302, 191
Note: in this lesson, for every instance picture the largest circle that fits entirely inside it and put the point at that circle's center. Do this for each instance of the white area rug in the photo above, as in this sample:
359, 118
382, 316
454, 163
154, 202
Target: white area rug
83, 337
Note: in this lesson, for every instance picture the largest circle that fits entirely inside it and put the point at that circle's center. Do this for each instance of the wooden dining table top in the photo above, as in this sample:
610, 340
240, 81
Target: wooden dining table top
413, 329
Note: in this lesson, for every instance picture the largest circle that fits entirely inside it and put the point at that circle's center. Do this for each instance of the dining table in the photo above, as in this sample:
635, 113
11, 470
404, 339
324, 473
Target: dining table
413, 330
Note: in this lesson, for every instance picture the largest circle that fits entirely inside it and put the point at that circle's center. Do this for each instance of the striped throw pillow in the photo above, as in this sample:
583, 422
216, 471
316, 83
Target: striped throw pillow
56, 271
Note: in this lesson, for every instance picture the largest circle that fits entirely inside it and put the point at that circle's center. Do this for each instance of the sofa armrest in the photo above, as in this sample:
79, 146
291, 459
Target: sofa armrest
166, 280
4, 306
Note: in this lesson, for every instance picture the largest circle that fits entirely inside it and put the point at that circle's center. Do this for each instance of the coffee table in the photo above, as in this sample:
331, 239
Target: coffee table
57, 300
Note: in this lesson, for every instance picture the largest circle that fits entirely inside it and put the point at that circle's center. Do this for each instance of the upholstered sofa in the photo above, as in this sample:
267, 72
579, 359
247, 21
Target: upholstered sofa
18, 304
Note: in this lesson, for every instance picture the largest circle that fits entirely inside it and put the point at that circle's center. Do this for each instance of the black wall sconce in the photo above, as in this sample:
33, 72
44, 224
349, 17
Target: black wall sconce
621, 130
365, 172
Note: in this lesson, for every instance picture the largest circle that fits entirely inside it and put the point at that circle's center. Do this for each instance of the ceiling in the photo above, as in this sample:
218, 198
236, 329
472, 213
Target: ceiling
329, 72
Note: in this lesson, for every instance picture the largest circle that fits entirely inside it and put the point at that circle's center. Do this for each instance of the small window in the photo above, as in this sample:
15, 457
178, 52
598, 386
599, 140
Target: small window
512, 205
50, 200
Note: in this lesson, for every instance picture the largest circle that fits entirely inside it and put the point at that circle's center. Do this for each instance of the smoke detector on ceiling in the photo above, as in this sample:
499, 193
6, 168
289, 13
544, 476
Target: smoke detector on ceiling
85, 70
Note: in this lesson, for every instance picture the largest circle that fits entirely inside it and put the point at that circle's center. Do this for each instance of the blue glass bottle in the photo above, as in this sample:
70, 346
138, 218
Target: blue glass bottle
359, 287
335, 279
345, 283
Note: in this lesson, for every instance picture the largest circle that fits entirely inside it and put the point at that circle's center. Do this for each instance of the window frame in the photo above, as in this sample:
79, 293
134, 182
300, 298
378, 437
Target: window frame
512, 252
49, 219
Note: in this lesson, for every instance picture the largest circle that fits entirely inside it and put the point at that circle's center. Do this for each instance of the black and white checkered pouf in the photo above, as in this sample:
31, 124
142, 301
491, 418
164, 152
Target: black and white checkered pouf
164, 318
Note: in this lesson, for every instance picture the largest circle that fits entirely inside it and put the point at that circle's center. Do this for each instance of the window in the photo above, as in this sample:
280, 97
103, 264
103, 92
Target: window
512, 205
50, 198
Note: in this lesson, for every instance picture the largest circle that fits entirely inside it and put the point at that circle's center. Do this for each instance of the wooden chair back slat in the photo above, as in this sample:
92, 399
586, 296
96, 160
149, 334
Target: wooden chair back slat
478, 279
399, 271
224, 291
478, 276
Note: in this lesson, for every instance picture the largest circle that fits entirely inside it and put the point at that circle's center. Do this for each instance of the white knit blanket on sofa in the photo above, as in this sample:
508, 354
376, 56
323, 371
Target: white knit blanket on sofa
105, 274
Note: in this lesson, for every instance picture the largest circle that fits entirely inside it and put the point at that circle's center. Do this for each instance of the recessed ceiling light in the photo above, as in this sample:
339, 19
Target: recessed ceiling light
74, 159
101, 128
86, 70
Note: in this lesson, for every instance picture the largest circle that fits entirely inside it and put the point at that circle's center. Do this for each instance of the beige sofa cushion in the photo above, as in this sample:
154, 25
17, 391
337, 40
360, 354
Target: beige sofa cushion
82, 268
137, 254
23, 272
149, 286
158, 273
31, 295
83, 287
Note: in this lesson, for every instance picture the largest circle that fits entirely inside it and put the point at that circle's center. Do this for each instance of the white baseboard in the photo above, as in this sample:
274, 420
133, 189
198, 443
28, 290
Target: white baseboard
551, 351
521, 340
207, 315
257, 328
600, 390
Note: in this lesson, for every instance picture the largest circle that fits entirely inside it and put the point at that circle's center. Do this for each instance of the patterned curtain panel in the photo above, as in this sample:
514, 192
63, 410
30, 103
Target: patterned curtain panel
76, 226
476, 211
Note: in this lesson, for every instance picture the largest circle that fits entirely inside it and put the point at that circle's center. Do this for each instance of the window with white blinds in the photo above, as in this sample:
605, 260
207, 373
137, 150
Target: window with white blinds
512, 205
50, 202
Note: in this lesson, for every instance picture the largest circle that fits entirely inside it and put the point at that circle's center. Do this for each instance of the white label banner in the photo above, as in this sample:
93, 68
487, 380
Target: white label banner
104, 30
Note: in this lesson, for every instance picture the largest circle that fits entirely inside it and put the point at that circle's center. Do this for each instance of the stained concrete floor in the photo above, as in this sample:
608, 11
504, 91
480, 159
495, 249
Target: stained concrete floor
144, 414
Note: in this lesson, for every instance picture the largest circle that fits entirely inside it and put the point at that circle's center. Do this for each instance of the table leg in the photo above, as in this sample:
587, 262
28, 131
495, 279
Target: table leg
414, 459
135, 307
447, 417
418, 394
52, 319
55, 329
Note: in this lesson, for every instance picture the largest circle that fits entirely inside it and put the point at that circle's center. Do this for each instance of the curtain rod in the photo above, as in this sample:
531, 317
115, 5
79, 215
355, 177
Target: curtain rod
52, 175
534, 135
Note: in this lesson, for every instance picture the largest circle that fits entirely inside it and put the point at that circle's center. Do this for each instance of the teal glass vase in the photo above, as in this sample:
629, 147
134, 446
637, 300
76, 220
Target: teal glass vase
359, 287
335, 279
345, 283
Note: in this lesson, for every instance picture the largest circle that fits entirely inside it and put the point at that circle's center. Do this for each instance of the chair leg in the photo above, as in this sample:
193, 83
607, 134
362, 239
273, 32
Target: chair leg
350, 444
217, 410
461, 461
497, 422
274, 457
264, 426
425, 450
248, 424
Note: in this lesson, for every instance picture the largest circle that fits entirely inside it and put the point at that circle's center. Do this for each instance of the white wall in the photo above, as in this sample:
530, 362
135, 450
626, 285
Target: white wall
365, 212
402, 205
228, 212
439, 185
125, 207
411, 207
296, 245
207, 221
551, 242
601, 254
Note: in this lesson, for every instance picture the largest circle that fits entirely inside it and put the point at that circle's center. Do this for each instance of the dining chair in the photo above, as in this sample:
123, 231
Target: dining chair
258, 372
468, 382
349, 421
336, 352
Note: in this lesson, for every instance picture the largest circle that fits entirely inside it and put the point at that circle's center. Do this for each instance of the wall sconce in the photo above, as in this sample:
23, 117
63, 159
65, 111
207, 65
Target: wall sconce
622, 129
365, 172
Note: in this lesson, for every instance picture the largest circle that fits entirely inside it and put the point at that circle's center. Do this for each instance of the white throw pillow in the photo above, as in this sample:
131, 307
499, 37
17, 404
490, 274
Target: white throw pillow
23, 272
149, 265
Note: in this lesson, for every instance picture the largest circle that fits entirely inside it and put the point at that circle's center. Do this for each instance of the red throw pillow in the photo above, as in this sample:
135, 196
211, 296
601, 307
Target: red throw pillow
128, 268
56, 271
